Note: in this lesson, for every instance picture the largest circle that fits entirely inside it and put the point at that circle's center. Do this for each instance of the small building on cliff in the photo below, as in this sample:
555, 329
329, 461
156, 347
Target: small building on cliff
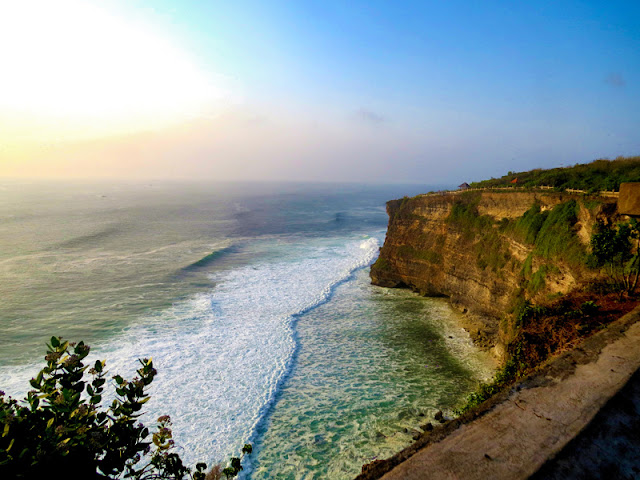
464, 186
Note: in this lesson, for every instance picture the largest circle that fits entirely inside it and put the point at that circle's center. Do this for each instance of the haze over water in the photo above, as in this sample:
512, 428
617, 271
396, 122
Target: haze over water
254, 302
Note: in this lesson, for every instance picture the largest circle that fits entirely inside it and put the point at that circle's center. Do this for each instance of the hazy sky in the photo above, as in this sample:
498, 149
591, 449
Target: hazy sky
384, 91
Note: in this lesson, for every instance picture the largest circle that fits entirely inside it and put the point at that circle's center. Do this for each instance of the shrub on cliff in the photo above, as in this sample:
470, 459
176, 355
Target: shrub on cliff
60, 429
612, 250
551, 232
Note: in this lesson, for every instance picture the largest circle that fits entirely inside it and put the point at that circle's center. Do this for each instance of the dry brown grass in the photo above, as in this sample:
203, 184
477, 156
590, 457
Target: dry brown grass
562, 325
215, 473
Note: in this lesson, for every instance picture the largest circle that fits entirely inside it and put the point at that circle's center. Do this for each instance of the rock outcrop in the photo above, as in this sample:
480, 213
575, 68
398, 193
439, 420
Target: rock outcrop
468, 247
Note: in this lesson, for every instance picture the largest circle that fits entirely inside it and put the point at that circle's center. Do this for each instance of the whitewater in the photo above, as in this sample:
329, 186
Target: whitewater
221, 355
247, 304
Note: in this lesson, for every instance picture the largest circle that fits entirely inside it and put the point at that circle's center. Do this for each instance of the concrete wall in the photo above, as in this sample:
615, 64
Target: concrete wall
629, 199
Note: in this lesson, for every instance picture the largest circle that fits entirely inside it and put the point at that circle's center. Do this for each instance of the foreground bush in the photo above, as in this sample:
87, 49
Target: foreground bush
60, 430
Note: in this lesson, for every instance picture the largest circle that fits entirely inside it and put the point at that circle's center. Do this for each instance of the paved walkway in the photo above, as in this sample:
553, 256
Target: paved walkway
516, 438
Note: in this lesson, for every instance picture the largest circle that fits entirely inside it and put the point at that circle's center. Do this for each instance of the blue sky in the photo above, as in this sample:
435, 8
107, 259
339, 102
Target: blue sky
389, 91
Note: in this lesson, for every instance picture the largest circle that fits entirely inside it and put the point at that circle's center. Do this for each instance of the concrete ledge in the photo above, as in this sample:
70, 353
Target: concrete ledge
608, 448
629, 199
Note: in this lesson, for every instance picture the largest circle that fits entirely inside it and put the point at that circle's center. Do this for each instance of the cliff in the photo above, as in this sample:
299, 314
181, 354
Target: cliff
491, 251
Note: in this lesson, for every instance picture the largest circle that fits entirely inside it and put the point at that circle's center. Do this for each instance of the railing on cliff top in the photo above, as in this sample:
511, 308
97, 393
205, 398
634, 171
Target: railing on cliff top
603, 193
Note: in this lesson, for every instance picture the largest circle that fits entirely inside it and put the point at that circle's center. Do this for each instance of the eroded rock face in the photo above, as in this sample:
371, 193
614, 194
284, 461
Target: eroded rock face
481, 271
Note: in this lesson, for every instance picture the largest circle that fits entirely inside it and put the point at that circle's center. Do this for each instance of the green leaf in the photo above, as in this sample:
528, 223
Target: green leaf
229, 472
60, 389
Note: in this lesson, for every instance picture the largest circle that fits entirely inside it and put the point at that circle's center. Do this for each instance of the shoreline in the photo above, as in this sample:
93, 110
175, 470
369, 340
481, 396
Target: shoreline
406, 408
513, 434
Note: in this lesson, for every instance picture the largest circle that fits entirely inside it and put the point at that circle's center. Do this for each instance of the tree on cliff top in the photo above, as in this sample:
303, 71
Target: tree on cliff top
60, 430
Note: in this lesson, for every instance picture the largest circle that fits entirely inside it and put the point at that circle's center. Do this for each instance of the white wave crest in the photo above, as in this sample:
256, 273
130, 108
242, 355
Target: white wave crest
221, 356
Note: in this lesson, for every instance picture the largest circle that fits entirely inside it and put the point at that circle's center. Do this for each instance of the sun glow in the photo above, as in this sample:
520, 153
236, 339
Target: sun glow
72, 70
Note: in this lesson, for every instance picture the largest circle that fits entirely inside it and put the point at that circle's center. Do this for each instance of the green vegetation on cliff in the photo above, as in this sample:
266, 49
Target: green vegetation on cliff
599, 175
425, 254
613, 250
480, 232
464, 215
539, 331
534, 280
552, 232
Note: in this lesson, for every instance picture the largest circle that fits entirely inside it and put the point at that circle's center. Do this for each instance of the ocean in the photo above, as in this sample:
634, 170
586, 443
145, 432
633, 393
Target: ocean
255, 304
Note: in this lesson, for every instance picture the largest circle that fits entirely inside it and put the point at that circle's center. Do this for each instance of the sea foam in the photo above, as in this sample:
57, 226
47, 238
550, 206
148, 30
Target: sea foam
221, 356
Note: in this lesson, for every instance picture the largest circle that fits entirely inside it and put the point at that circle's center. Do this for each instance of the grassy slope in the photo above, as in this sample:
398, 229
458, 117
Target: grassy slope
595, 176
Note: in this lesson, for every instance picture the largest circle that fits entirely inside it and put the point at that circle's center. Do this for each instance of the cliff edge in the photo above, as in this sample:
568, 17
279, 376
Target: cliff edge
520, 266
488, 252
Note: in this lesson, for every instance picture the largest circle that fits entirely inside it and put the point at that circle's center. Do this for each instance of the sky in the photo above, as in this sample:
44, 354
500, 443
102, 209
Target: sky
425, 92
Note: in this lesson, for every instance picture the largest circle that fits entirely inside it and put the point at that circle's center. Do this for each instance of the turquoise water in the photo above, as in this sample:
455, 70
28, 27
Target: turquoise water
372, 365
255, 304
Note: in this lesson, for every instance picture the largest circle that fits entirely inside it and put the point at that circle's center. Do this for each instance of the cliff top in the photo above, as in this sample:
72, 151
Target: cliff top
599, 175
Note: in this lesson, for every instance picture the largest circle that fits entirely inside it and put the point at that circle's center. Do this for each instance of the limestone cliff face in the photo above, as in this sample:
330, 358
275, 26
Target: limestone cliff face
469, 258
